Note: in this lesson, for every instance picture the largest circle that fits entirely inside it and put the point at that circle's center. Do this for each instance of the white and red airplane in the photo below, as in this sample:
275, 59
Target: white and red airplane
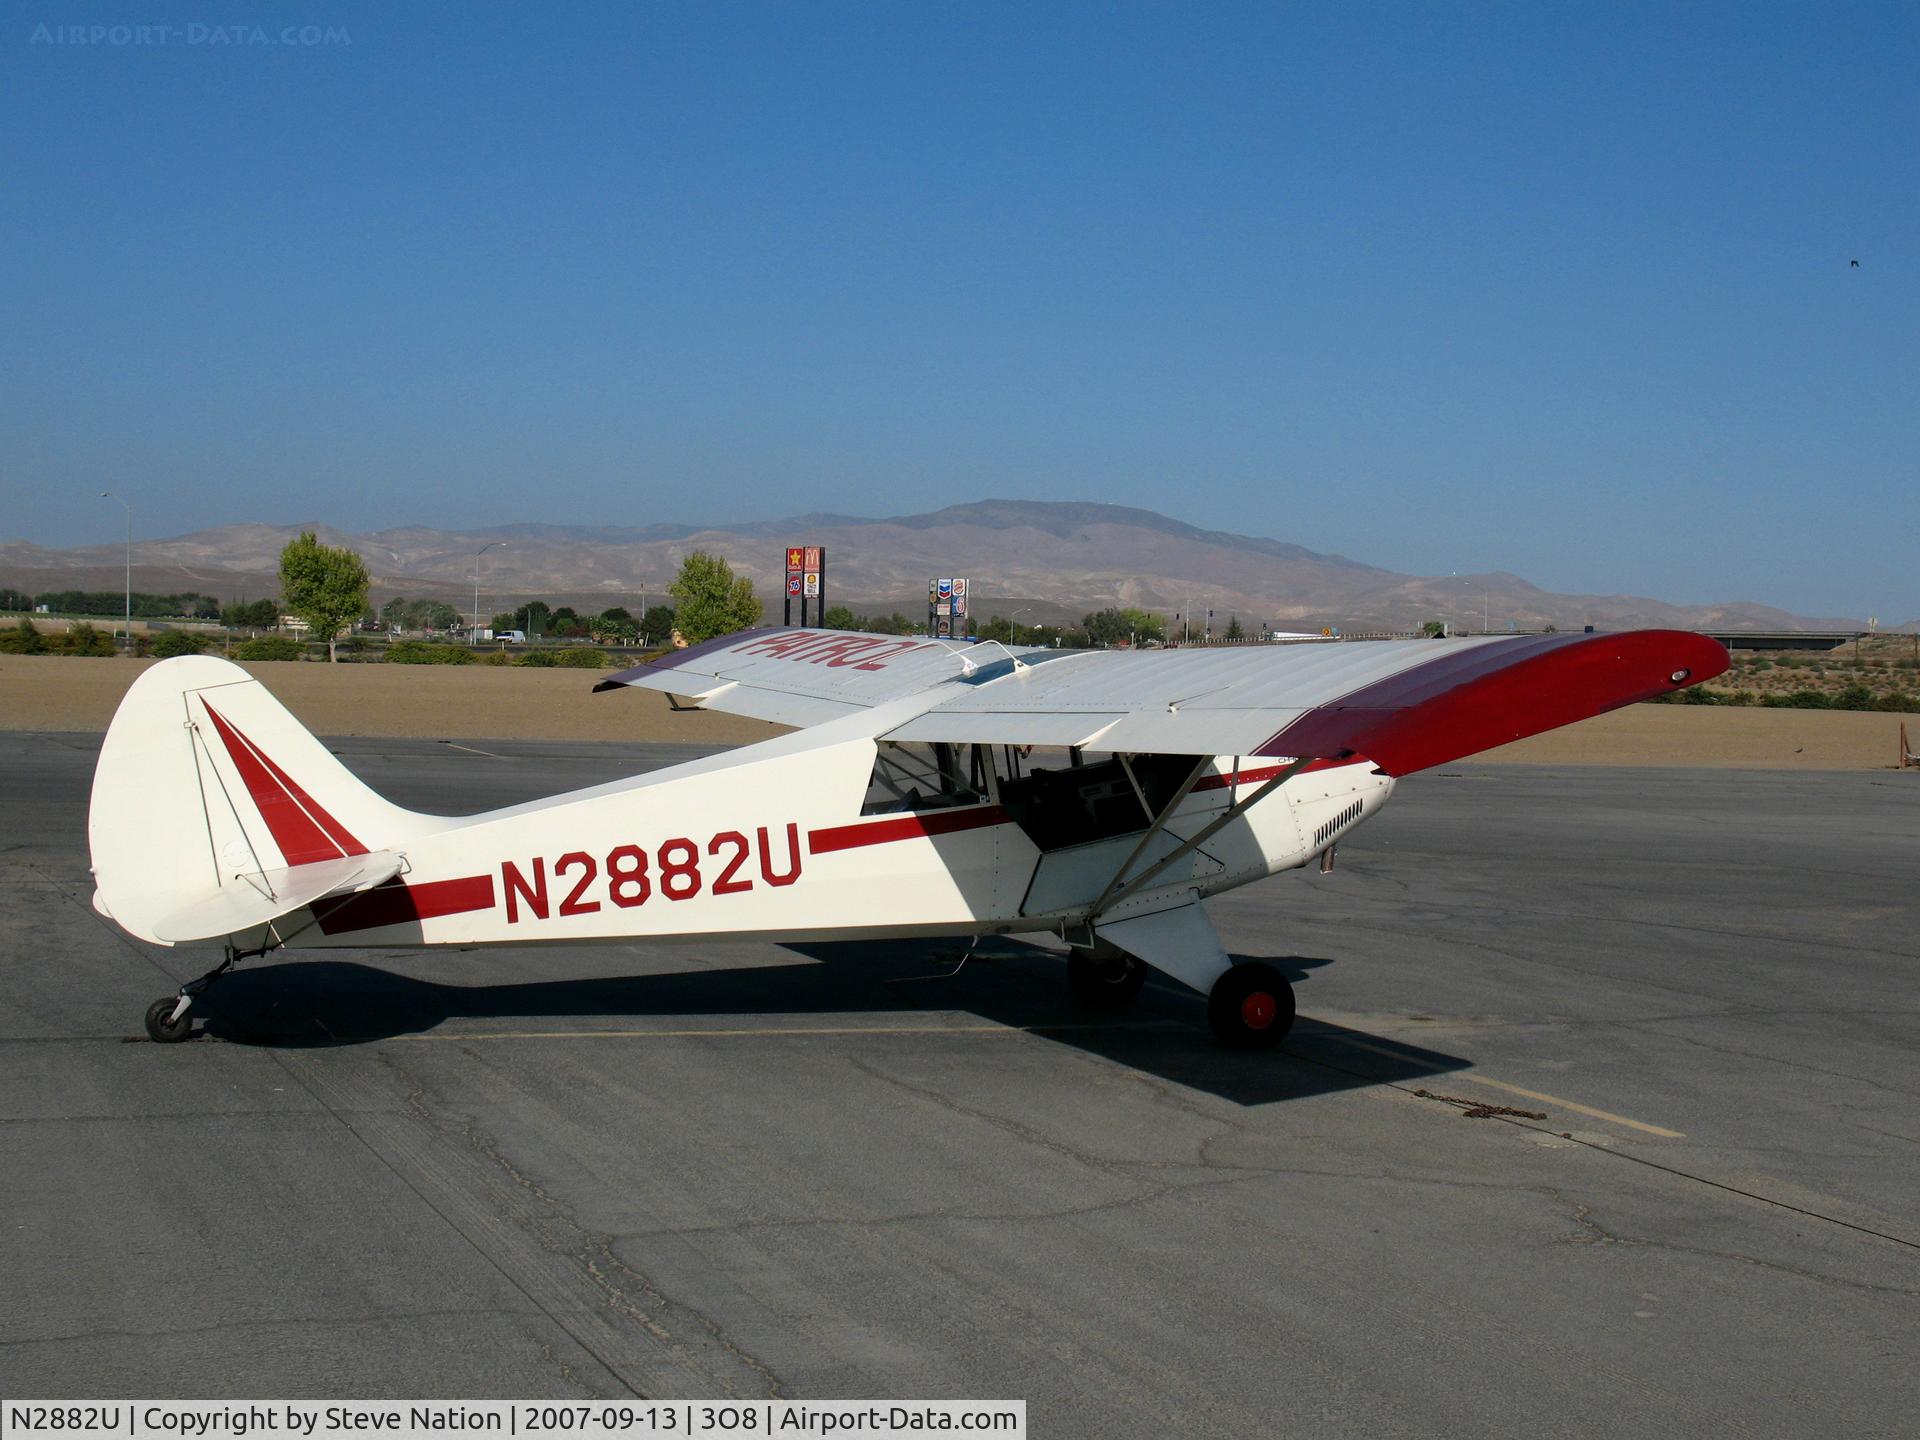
936, 788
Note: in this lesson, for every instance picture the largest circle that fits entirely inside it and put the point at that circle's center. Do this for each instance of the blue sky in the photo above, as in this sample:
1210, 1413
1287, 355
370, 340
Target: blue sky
1563, 290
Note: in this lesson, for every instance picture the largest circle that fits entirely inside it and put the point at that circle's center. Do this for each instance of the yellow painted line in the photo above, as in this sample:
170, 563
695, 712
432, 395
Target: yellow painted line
769, 1031
1540, 1095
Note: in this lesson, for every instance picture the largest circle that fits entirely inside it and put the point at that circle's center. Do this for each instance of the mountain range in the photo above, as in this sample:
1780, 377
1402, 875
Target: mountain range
1054, 561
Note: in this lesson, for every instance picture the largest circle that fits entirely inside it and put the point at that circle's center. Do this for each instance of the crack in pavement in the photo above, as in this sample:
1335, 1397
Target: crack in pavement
592, 1253
1594, 1233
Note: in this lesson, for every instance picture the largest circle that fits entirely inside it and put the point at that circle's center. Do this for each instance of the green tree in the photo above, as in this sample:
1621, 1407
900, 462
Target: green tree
1235, 630
609, 628
435, 615
251, 615
840, 618
710, 601
533, 617
1106, 628
324, 585
656, 626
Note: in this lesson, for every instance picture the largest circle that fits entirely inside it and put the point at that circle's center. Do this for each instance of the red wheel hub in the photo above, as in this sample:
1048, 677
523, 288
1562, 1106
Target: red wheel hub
1258, 1010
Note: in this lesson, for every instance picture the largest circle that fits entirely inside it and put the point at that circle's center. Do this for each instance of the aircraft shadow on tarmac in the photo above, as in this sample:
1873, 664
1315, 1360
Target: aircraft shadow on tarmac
321, 1003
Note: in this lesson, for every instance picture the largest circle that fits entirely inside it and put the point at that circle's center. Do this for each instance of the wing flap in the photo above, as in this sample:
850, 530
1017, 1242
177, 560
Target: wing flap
1011, 727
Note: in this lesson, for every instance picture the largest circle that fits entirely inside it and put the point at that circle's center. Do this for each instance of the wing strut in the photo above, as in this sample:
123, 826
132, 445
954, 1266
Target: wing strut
1119, 888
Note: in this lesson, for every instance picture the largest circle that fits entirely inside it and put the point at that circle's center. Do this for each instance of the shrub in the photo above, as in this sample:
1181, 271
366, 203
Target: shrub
22, 639
169, 643
270, 647
421, 652
497, 657
539, 659
1697, 695
82, 639
1898, 700
582, 658
1798, 700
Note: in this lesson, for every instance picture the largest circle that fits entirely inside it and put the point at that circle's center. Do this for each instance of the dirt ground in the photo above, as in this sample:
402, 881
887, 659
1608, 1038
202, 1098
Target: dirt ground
438, 702
478, 702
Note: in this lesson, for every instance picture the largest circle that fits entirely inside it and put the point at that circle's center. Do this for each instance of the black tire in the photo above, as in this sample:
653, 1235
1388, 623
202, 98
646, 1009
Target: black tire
1251, 1007
162, 1028
1108, 979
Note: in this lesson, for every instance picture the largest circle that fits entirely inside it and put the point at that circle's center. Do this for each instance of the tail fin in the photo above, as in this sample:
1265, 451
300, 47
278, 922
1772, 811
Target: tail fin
212, 806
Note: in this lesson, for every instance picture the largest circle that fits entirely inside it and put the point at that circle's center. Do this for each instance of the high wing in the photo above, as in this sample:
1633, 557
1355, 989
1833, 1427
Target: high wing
1406, 704
803, 677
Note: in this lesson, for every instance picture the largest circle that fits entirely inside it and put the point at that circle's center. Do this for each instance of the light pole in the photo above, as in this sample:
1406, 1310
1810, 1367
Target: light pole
1486, 623
1013, 625
106, 495
476, 585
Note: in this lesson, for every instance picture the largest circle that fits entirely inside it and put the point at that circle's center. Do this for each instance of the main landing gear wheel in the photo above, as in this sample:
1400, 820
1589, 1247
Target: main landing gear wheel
1108, 978
162, 1026
1251, 1007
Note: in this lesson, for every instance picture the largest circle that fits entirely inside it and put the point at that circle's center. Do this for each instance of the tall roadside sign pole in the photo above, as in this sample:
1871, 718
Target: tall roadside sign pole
806, 580
947, 606
812, 583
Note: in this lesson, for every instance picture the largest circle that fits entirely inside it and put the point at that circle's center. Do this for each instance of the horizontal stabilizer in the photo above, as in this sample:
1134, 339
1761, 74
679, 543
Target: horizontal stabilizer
250, 901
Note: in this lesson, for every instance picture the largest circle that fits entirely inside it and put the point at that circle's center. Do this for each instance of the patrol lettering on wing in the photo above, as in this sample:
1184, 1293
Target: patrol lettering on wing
837, 651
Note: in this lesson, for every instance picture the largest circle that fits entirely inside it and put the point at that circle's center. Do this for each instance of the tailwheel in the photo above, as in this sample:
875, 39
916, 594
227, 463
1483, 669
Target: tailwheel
167, 1021
1251, 1007
1106, 976
164, 1026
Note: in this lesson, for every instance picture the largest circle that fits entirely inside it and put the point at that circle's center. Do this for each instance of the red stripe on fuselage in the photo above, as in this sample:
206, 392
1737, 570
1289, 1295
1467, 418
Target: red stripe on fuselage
303, 830
903, 827
948, 822
397, 903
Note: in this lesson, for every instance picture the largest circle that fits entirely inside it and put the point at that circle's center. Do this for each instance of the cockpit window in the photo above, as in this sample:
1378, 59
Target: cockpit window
911, 776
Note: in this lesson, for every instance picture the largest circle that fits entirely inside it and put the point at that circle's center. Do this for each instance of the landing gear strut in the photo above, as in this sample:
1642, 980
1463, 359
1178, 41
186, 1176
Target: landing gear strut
1251, 1007
167, 1022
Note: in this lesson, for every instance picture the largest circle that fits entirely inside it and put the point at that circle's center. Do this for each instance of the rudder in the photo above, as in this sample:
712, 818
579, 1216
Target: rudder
206, 782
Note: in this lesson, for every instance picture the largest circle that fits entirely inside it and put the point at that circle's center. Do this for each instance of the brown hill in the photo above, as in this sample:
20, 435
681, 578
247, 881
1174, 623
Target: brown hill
1056, 560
